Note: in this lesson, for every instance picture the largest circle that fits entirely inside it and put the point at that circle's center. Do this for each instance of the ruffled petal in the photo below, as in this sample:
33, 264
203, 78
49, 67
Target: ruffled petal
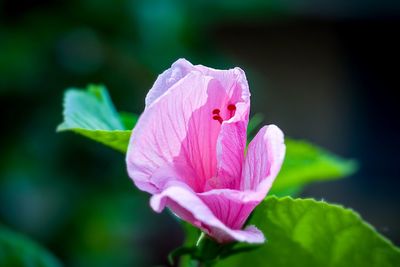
168, 78
233, 80
230, 150
263, 160
232, 207
178, 130
232, 138
188, 206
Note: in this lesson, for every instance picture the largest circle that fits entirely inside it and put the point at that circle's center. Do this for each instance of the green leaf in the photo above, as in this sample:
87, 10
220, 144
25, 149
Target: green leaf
306, 232
128, 120
91, 113
305, 163
254, 122
17, 251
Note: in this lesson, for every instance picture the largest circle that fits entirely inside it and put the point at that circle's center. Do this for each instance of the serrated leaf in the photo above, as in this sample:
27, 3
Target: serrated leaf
306, 163
18, 251
306, 232
91, 113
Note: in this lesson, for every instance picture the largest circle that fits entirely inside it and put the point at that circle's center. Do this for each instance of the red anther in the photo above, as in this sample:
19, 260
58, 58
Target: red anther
218, 118
215, 111
231, 107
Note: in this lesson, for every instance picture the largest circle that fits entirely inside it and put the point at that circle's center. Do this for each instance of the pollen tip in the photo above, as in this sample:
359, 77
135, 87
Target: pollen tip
218, 118
215, 111
231, 107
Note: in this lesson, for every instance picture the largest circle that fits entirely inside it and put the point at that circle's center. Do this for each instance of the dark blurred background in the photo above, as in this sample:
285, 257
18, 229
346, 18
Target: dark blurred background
325, 71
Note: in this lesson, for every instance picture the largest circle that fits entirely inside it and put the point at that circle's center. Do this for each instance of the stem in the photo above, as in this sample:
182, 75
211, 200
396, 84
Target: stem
203, 264
201, 237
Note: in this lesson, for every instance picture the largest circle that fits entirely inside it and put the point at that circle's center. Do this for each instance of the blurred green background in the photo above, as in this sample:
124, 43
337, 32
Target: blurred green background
325, 71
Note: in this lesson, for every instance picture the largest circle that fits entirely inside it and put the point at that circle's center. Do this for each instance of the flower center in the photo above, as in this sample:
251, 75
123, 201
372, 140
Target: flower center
216, 113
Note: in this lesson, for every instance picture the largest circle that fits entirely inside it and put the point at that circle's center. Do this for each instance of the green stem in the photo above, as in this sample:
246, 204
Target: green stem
203, 264
201, 237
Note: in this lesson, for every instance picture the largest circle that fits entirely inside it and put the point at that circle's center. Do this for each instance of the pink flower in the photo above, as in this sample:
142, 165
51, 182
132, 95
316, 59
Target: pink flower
188, 151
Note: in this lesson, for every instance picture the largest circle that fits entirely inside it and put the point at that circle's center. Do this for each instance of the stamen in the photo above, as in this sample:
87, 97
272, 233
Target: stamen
218, 118
231, 107
215, 111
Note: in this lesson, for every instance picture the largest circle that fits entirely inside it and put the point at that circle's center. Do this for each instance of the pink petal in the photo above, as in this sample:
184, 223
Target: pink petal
232, 207
263, 160
232, 138
168, 78
177, 130
189, 207
230, 150
233, 80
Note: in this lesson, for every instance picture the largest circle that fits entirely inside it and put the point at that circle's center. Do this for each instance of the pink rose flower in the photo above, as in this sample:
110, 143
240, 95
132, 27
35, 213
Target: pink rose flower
188, 151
